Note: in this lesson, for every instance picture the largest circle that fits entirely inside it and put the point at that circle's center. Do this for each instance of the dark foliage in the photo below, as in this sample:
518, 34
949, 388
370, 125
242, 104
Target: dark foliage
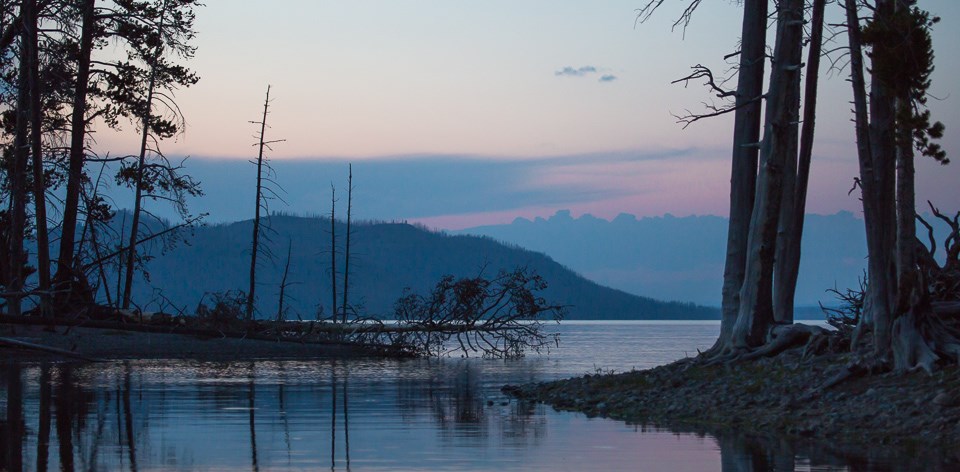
498, 317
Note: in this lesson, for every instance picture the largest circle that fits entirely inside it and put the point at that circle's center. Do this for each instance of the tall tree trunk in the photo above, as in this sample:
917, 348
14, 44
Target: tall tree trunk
881, 290
756, 297
141, 164
18, 179
333, 250
791, 222
71, 204
251, 295
867, 181
743, 175
346, 249
36, 150
907, 272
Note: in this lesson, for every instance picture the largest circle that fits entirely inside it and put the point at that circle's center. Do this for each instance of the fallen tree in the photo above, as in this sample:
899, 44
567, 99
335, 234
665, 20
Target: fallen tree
498, 317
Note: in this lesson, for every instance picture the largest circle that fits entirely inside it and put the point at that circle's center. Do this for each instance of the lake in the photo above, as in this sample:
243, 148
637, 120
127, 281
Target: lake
430, 414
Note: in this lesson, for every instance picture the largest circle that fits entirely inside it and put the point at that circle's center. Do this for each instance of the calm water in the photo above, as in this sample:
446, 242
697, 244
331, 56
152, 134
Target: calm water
443, 414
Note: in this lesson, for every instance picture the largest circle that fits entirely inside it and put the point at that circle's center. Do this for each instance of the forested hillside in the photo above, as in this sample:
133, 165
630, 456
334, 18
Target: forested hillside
386, 258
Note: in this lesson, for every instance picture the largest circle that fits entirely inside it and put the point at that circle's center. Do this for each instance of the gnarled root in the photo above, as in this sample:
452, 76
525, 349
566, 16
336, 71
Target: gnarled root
784, 337
925, 337
780, 338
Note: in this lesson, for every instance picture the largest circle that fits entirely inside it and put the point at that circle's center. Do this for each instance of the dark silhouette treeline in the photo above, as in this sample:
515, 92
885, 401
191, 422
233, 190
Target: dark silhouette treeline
67, 68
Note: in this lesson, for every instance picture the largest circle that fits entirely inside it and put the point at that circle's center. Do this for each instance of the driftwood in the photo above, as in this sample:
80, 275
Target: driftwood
40, 347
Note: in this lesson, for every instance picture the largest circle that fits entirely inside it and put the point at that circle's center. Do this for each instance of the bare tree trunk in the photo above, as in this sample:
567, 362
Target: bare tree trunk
346, 255
743, 175
867, 181
36, 145
283, 282
77, 149
141, 164
756, 297
18, 183
333, 251
881, 296
907, 272
119, 256
251, 295
791, 224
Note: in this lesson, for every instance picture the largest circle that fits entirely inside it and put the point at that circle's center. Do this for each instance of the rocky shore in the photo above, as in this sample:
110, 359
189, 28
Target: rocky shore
881, 414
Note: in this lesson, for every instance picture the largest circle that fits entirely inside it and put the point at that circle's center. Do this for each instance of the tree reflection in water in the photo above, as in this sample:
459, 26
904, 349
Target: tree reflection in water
251, 406
382, 415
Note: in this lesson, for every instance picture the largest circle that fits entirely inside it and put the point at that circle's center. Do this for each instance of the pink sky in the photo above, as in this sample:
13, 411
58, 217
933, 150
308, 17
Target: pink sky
356, 81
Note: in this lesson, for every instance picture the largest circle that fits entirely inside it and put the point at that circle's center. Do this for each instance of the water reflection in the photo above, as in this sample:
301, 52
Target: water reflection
346, 415
268, 415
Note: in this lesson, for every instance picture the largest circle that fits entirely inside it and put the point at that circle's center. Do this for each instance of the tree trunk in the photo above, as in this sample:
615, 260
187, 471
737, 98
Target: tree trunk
908, 282
791, 229
346, 249
36, 150
333, 251
873, 300
138, 191
256, 213
879, 302
18, 181
77, 150
283, 282
743, 175
756, 298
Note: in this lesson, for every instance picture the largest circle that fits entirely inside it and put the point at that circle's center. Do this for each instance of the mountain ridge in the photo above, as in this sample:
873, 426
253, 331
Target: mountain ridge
386, 258
681, 258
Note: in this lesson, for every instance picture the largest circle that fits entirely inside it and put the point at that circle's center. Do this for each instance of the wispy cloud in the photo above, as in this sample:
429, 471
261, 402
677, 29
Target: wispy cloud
569, 71
607, 78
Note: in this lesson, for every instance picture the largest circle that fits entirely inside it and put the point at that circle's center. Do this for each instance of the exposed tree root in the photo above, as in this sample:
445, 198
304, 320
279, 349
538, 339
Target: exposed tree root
783, 337
780, 338
922, 339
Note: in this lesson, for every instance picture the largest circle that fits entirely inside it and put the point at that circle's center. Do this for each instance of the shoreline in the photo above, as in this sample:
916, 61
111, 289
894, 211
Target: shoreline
118, 344
880, 415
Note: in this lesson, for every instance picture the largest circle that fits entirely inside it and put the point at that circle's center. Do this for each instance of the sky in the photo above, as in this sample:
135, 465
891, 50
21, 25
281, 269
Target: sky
458, 114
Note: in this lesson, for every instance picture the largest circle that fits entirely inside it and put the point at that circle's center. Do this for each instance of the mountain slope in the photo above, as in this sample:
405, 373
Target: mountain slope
387, 257
682, 258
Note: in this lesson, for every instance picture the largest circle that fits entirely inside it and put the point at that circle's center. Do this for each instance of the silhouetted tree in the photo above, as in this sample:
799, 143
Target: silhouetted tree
263, 167
78, 134
333, 251
346, 249
777, 152
167, 27
793, 209
890, 126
